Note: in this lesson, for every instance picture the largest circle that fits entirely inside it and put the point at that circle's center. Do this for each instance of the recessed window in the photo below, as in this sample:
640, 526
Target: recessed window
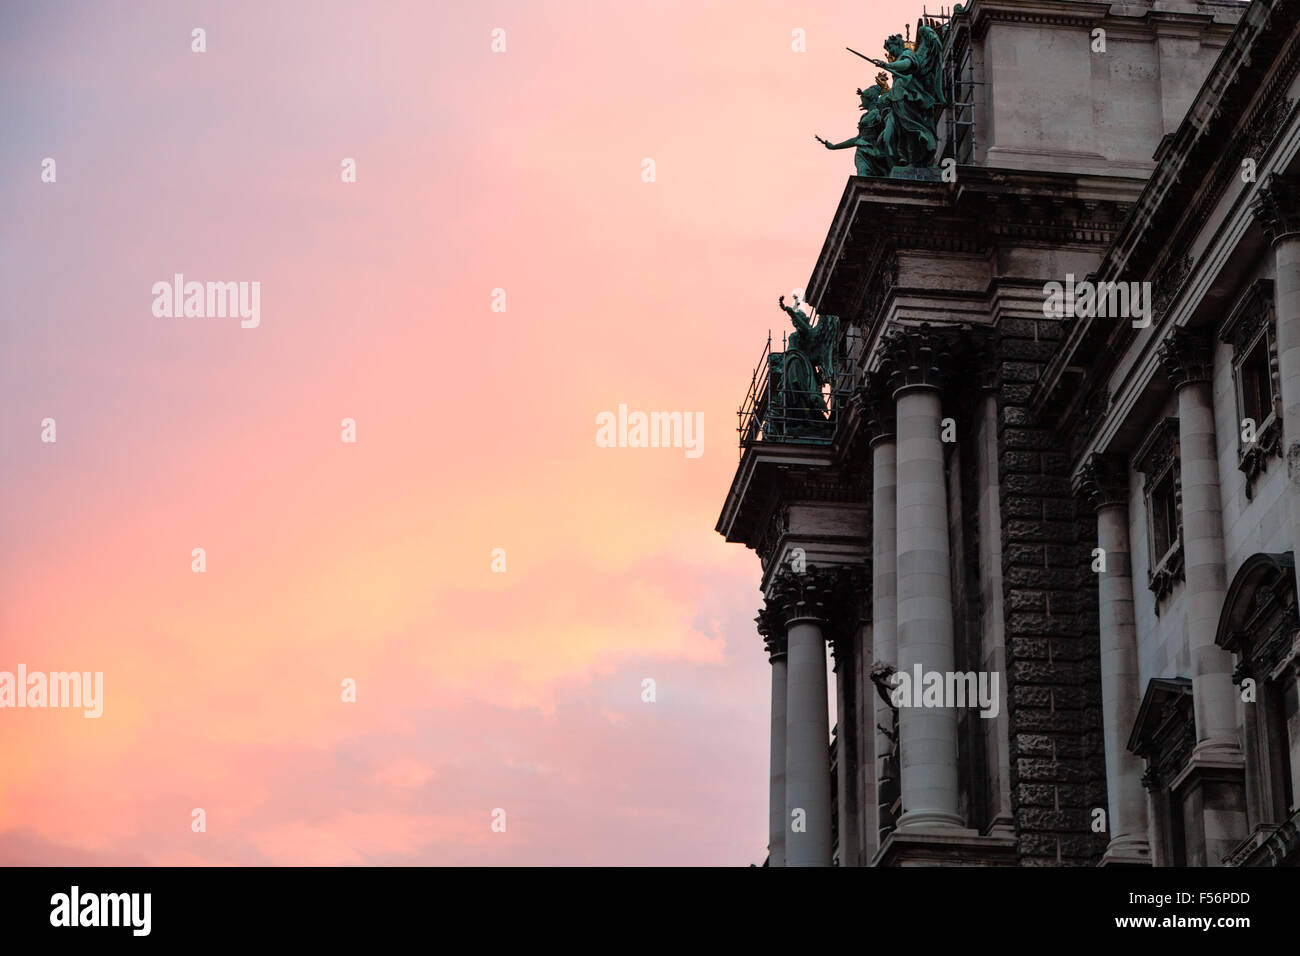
1164, 517
1254, 369
1157, 460
1255, 381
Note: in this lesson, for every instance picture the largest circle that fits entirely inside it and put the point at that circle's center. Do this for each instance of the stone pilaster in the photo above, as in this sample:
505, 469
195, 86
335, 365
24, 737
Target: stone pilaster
916, 360
1103, 483
803, 597
771, 627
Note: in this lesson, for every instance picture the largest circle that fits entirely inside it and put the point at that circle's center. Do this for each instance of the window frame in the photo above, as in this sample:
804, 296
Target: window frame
1252, 322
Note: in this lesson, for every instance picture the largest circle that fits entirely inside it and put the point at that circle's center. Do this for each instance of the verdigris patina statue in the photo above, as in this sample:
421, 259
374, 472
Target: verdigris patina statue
870, 157
797, 375
897, 132
914, 98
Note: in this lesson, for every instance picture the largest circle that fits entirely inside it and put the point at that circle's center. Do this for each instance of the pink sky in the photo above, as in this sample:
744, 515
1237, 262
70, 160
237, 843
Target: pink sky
475, 429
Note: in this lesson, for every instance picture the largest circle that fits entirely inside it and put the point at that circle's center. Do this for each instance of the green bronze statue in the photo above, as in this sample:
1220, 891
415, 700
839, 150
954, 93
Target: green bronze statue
914, 98
870, 157
897, 133
800, 373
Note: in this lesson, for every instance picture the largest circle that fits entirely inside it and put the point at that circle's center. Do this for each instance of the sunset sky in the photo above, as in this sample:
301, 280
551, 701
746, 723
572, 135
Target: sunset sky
475, 429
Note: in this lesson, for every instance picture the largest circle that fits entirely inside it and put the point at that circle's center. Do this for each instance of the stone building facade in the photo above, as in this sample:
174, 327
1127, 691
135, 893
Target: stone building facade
1097, 508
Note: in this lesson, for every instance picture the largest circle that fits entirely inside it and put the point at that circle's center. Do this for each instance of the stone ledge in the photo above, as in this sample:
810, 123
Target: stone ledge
948, 846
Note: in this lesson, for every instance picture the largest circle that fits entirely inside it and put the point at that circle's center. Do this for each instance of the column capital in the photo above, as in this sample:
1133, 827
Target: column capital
916, 356
1276, 207
876, 400
824, 594
771, 628
1102, 481
849, 605
802, 595
1187, 357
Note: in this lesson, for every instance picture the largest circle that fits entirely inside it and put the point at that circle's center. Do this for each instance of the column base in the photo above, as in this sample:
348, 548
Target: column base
1127, 851
945, 846
1218, 753
930, 820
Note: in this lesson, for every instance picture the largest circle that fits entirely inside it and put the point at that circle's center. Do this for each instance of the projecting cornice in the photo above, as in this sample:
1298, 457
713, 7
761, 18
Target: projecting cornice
881, 225
1064, 13
1121, 21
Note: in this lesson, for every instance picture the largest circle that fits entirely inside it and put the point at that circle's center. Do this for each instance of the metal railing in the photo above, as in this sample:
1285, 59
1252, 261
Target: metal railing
771, 412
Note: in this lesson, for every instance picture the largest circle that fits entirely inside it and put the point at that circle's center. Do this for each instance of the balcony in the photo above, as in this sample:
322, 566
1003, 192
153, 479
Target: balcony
774, 412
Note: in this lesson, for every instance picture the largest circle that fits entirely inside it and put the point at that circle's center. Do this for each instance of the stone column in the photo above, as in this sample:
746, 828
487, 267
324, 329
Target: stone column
880, 415
1277, 206
925, 613
1189, 363
807, 734
1103, 483
849, 606
846, 744
772, 630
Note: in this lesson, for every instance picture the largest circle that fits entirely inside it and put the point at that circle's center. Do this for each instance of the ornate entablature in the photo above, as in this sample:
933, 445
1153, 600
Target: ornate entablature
1249, 329
1092, 411
1167, 284
778, 524
1157, 461
1164, 733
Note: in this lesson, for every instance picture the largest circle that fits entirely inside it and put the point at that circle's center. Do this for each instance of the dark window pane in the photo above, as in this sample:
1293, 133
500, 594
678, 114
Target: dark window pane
1257, 384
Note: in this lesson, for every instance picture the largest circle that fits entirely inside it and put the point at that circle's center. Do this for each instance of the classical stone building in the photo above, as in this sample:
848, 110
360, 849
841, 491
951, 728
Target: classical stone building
1092, 504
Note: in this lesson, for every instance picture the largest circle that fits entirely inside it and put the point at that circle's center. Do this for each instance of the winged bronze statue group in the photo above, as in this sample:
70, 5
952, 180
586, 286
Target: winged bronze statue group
897, 127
